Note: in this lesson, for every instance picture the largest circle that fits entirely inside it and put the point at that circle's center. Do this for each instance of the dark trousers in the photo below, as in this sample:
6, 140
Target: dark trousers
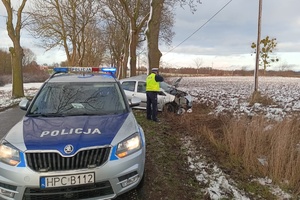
151, 105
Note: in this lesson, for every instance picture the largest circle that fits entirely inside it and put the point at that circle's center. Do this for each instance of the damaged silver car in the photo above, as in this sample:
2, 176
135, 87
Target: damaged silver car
169, 98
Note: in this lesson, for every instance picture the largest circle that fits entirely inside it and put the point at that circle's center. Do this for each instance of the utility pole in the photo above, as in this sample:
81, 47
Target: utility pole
258, 47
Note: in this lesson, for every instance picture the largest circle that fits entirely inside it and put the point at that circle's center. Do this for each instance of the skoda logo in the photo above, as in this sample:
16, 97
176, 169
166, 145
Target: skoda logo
68, 149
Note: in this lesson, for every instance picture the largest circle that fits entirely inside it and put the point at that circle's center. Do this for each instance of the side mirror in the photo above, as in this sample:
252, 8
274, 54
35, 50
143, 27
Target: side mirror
24, 104
135, 101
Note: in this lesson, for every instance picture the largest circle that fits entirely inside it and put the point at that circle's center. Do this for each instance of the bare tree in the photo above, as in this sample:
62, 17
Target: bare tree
132, 28
95, 47
154, 26
14, 32
28, 57
65, 23
116, 26
284, 66
198, 63
138, 13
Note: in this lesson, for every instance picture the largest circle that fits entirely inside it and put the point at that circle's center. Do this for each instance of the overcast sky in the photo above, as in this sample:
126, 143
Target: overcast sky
225, 40
221, 42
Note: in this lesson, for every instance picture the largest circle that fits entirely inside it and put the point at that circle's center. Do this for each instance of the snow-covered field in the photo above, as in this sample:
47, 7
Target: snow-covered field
233, 94
223, 94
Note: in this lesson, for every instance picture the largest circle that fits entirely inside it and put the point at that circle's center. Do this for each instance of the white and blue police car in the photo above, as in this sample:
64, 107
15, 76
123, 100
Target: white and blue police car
78, 140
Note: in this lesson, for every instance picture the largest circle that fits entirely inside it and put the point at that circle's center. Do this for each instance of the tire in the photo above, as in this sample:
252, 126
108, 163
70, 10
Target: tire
170, 108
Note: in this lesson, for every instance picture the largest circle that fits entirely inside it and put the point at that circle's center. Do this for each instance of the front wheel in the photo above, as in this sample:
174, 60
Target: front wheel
170, 107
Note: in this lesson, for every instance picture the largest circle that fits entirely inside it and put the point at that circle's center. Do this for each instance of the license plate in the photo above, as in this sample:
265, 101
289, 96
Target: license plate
68, 180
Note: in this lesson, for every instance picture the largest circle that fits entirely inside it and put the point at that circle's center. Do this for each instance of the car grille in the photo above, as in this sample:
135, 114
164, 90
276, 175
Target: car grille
51, 161
78, 192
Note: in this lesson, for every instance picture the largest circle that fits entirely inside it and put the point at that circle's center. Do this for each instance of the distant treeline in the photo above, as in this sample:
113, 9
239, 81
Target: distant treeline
208, 71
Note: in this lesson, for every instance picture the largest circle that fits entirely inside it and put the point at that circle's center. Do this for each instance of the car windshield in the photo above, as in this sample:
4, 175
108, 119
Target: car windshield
166, 87
65, 99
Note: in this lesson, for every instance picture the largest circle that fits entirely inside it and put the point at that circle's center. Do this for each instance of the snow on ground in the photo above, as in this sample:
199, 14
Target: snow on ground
30, 89
232, 94
224, 94
219, 185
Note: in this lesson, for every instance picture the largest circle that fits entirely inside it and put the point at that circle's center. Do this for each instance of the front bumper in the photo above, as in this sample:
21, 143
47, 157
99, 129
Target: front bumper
113, 178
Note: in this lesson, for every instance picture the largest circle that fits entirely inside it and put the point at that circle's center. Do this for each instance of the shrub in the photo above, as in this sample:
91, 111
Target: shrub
34, 74
5, 79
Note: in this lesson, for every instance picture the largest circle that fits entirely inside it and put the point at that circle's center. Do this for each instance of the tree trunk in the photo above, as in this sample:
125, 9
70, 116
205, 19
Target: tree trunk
132, 52
17, 72
16, 51
152, 33
125, 62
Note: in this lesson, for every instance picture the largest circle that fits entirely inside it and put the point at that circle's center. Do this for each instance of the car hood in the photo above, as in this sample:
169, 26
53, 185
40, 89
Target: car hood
46, 133
176, 82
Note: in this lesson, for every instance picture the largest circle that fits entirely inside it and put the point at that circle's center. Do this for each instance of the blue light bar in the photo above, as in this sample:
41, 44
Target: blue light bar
109, 69
61, 69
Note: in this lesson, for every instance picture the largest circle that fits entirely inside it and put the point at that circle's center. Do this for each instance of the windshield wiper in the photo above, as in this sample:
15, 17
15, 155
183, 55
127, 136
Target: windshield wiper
86, 114
45, 115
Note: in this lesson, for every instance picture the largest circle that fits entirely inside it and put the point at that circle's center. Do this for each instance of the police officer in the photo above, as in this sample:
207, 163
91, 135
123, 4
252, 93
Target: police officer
152, 89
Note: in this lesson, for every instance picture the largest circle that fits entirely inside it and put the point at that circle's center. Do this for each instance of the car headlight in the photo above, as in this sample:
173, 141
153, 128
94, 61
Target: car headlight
9, 154
129, 145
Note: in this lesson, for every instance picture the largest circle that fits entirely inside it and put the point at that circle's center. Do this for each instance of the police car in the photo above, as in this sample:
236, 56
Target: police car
78, 140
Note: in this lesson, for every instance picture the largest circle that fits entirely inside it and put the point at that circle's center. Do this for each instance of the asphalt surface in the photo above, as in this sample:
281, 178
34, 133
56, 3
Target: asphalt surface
8, 118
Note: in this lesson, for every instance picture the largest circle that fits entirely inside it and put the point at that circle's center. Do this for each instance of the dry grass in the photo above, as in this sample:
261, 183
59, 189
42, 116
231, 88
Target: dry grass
264, 148
267, 148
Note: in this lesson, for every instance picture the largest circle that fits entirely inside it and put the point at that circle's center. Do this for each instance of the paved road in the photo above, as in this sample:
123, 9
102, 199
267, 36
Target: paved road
9, 118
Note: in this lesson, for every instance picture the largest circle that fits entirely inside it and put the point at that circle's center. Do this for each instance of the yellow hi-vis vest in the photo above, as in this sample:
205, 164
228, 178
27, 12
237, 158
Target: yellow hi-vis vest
151, 84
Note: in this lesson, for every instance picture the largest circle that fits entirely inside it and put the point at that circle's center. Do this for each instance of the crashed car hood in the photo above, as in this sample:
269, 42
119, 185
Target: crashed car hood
176, 83
46, 133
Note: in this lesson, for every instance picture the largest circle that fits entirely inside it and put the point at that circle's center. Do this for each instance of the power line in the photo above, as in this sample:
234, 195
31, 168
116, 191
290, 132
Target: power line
200, 27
